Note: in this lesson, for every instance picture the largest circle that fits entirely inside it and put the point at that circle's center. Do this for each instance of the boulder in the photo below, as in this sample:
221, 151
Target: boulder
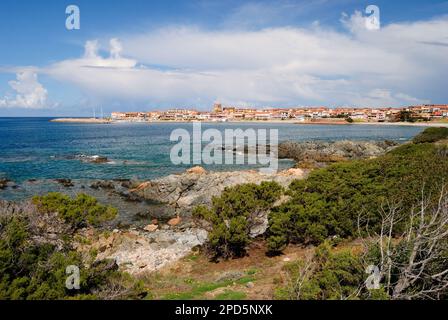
3, 183
293, 172
67, 183
197, 170
151, 227
174, 221
139, 253
103, 185
183, 192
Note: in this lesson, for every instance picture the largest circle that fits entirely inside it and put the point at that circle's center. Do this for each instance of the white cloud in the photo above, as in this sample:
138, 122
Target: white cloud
29, 93
115, 48
396, 65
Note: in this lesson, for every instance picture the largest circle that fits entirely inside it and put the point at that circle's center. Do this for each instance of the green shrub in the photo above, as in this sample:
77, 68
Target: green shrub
328, 276
231, 216
37, 271
80, 211
431, 135
331, 200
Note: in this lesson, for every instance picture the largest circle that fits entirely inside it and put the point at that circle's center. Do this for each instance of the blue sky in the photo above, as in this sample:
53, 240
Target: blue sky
164, 44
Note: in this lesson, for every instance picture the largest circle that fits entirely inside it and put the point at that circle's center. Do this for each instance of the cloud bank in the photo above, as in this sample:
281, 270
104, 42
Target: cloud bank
400, 64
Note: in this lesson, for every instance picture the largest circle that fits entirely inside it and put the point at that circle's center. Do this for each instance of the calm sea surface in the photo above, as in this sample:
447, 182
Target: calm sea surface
34, 148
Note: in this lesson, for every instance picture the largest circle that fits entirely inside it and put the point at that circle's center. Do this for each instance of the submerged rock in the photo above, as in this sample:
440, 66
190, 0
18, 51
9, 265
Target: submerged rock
90, 159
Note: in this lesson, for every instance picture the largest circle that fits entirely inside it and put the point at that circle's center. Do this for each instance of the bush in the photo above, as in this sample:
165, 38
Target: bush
331, 200
37, 270
79, 212
431, 135
232, 216
328, 276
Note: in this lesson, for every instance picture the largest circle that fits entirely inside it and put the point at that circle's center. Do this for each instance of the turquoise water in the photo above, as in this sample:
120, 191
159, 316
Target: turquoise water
34, 148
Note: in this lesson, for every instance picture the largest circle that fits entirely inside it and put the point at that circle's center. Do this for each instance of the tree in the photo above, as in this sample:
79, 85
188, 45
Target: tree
406, 116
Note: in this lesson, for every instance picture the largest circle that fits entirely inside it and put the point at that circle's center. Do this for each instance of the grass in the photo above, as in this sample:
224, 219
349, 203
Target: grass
192, 257
199, 289
231, 295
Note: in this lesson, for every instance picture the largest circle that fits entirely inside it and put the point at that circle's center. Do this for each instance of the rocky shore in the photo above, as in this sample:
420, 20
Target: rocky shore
154, 227
319, 153
183, 192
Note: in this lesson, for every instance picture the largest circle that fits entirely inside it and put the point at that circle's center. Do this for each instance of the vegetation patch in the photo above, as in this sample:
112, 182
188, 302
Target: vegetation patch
32, 267
431, 135
81, 211
198, 290
339, 200
233, 215
231, 295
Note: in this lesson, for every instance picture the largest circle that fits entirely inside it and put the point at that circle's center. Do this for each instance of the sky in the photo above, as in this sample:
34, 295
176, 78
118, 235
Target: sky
154, 55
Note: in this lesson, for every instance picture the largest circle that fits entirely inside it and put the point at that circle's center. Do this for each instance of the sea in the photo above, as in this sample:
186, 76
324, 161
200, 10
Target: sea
35, 148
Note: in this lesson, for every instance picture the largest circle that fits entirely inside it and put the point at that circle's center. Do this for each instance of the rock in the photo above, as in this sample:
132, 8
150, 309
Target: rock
197, 170
250, 285
130, 196
214, 293
142, 186
174, 221
230, 276
91, 159
293, 172
144, 252
326, 152
260, 224
3, 183
185, 191
151, 227
103, 185
67, 183
105, 265
99, 159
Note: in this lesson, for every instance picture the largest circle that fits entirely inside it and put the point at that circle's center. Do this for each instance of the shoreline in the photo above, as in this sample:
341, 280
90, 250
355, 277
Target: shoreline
329, 123
81, 120
323, 123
